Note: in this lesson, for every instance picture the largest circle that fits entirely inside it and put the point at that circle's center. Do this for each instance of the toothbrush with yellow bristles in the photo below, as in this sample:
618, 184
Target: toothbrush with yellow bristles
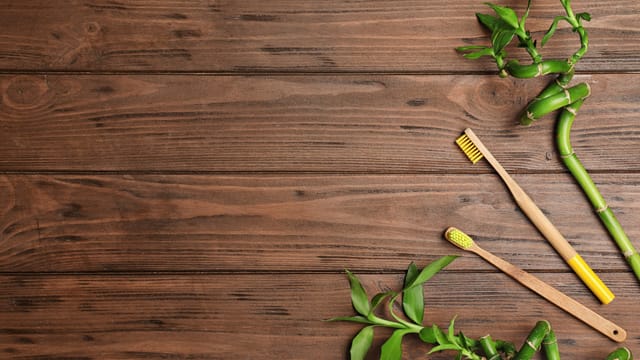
571, 306
475, 151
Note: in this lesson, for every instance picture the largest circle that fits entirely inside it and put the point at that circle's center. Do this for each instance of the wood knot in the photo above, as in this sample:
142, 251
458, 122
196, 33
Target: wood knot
25, 92
91, 27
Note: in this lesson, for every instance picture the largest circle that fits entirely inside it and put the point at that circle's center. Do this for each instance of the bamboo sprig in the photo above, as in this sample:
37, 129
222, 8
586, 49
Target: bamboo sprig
558, 95
411, 321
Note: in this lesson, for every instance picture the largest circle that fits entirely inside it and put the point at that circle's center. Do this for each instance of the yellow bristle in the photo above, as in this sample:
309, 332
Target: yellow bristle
469, 148
458, 238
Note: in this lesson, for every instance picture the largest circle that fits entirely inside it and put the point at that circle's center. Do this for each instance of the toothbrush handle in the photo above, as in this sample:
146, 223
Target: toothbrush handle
550, 232
554, 296
562, 246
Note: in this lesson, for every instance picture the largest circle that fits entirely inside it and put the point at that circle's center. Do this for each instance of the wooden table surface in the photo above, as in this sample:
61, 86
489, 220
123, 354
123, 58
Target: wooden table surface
188, 179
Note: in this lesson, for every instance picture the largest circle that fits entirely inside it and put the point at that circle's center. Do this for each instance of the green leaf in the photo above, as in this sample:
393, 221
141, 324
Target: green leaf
427, 335
462, 340
431, 269
507, 14
583, 16
443, 348
525, 16
392, 348
470, 47
552, 29
377, 300
451, 330
413, 298
356, 319
500, 38
440, 336
361, 343
451, 336
487, 20
484, 52
476, 51
358, 295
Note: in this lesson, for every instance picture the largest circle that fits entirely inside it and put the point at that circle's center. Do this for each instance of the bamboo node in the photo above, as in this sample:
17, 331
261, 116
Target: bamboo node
571, 110
563, 86
564, 156
588, 90
567, 94
531, 345
602, 209
629, 253
539, 70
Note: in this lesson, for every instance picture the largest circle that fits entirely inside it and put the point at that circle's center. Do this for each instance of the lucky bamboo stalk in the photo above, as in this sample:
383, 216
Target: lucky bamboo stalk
489, 348
557, 95
620, 354
578, 171
550, 346
534, 340
440, 339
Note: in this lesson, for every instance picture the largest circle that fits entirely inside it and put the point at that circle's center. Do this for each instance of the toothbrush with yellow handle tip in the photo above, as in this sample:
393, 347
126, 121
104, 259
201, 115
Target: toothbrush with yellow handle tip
551, 294
475, 150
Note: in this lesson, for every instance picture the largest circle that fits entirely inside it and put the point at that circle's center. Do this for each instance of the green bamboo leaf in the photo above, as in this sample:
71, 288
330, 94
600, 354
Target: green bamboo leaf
507, 14
413, 298
470, 48
501, 37
361, 343
478, 54
583, 16
462, 340
356, 319
431, 269
552, 29
525, 16
358, 295
451, 336
443, 348
377, 300
427, 335
487, 20
392, 348
441, 338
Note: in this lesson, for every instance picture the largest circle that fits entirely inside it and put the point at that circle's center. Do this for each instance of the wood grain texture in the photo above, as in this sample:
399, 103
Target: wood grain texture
336, 124
188, 179
265, 316
287, 35
294, 223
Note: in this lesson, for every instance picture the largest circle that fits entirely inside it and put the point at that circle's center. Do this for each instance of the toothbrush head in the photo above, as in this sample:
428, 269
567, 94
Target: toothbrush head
469, 148
458, 238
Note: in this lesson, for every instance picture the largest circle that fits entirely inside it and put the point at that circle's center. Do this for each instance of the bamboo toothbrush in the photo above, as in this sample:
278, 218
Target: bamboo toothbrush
554, 296
475, 150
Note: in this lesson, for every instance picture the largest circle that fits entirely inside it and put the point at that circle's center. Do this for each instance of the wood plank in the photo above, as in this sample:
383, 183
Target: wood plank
337, 124
285, 35
293, 223
274, 316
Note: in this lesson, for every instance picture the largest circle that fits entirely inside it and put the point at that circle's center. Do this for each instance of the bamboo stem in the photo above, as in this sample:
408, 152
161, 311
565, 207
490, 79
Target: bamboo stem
620, 354
489, 348
550, 346
533, 341
571, 161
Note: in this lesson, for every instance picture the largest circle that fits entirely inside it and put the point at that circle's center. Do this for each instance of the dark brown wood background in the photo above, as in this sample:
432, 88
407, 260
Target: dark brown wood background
189, 179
